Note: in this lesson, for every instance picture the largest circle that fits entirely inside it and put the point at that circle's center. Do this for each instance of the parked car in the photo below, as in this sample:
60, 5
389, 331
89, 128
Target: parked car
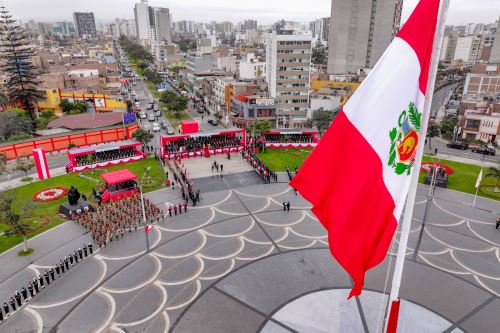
151, 117
156, 108
484, 150
143, 115
158, 113
464, 145
164, 124
150, 107
170, 131
156, 127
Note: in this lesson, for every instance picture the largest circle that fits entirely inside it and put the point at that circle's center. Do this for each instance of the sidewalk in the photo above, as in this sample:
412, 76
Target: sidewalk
17, 182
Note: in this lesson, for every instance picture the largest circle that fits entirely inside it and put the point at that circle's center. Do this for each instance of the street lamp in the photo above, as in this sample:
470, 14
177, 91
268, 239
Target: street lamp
142, 197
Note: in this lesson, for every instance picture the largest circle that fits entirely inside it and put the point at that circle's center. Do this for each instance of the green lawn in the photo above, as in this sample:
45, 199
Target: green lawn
278, 159
45, 215
464, 178
171, 115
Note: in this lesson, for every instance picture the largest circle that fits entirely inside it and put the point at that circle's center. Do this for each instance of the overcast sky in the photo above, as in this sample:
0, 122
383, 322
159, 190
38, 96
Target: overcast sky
265, 11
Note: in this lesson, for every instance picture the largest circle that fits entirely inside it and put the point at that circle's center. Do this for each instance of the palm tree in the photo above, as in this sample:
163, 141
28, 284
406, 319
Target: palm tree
495, 174
16, 223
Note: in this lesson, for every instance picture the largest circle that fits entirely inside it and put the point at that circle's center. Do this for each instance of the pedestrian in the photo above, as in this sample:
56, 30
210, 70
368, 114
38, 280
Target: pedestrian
57, 271
66, 262
52, 273
70, 256
213, 168
61, 266
24, 292
35, 285
75, 256
47, 278
13, 304
6, 309
170, 211
185, 207
85, 250
179, 207
18, 298
221, 168
288, 205
80, 253
216, 166
30, 288
498, 223
284, 205
175, 209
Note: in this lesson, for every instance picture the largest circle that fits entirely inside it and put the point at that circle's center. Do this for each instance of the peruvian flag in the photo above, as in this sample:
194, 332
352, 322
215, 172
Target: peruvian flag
358, 177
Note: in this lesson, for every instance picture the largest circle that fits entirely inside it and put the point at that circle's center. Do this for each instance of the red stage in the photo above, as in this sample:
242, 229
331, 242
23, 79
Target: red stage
107, 155
291, 138
240, 135
119, 184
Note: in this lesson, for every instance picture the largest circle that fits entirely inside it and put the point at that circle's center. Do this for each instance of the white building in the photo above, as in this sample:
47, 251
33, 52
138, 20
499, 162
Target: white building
288, 60
142, 20
162, 24
227, 64
468, 49
252, 68
218, 90
152, 23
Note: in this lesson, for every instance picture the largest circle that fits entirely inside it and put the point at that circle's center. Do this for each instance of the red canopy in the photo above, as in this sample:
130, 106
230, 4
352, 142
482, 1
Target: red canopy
119, 176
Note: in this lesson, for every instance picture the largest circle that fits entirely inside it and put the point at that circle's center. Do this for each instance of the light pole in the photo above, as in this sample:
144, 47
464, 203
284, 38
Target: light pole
142, 197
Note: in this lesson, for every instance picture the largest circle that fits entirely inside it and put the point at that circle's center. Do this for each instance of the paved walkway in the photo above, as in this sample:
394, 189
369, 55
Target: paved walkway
17, 182
238, 263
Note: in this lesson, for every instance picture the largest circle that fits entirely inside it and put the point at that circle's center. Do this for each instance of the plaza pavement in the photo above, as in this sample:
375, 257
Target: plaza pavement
238, 263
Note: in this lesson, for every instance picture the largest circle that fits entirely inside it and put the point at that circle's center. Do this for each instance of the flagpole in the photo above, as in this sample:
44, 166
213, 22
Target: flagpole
410, 200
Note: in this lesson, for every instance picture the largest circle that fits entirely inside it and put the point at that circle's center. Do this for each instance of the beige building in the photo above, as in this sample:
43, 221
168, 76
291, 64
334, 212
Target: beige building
482, 81
480, 121
360, 31
288, 59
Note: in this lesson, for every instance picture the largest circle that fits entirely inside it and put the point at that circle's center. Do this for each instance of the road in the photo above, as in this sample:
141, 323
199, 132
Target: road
442, 149
439, 97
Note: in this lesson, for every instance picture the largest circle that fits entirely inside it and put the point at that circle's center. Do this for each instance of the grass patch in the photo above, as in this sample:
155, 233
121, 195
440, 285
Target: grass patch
464, 178
171, 116
45, 214
278, 159
26, 179
152, 89
24, 254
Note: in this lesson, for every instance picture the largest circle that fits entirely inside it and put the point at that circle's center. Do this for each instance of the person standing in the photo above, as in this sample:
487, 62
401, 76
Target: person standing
185, 207
180, 208
6, 309
288, 205
61, 266
284, 205
85, 250
13, 304
24, 292
52, 273
1, 315
57, 271
47, 278
175, 209
40, 279
66, 262
35, 285
221, 168
80, 253
18, 298
30, 288
170, 211
90, 248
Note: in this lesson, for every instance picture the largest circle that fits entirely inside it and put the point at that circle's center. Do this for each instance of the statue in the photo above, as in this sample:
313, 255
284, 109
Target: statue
73, 196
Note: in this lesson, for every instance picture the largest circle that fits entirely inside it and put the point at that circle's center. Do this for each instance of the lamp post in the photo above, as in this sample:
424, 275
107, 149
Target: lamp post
142, 197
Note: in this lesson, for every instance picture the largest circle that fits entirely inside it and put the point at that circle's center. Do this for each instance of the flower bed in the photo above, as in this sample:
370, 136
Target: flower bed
50, 194
427, 167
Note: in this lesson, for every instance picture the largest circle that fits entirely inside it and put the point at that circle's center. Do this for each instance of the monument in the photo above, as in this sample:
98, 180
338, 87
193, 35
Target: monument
74, 205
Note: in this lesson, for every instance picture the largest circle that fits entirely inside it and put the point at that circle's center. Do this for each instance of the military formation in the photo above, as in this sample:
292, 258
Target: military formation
110, 221
181, 179
283, 138
262, 169
42, 280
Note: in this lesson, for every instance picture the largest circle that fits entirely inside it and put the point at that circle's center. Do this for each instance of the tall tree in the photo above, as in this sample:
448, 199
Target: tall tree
432, 132
495, 174
16, 50
25, 165
322, 119
260, 126
142, 136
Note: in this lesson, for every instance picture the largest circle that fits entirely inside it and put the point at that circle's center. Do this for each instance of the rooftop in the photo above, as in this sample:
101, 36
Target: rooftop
87, 121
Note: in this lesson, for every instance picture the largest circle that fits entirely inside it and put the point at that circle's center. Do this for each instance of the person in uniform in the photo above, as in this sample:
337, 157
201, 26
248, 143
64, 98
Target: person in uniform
13, 304
90, 248
175, 209
24, 292
30, 288
35, 285
61, 266
80, 253
57, 271
170, 211
185, 207
47, 278
40, 279
179, 207
6, 309
288, 205
52, 273
66, 263
85, 250
1, 315
18, 298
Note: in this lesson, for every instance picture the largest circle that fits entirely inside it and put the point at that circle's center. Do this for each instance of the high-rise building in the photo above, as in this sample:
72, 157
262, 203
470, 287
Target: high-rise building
360, 31
249, 25
85, 24
152, 23
468, 49
495, 49
288, 59
326, 29
162, 24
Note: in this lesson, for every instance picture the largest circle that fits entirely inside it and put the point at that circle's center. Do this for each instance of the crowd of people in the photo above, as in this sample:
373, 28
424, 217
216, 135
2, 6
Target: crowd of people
110, 221
36, 286
181, 179
196, 144
262, 169
296, 138
103, 156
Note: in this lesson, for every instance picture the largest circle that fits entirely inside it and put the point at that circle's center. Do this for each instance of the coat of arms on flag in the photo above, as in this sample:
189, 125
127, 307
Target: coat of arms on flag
404, 140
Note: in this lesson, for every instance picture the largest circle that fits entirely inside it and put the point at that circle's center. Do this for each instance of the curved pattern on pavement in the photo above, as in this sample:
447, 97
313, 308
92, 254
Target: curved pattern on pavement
229, 249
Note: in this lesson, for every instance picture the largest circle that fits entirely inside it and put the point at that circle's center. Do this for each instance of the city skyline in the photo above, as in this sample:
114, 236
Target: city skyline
461, 11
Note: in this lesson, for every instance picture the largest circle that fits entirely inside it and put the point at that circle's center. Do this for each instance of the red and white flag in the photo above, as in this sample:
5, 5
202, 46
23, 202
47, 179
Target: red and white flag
358, 176
148, 228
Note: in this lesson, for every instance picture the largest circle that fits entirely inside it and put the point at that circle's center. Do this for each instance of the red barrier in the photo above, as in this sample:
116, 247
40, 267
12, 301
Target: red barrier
61, 142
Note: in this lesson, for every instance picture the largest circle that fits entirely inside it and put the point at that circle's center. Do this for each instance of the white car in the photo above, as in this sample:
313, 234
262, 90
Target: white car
143, 115
151, 117
156, 127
